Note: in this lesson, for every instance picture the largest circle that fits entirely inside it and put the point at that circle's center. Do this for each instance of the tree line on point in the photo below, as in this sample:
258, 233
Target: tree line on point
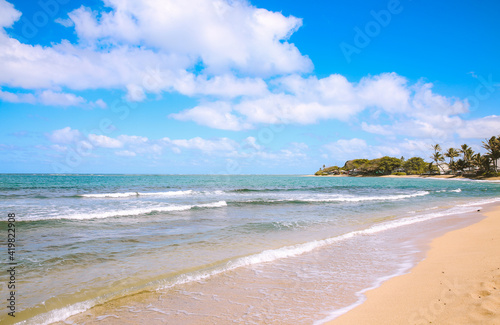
469, 163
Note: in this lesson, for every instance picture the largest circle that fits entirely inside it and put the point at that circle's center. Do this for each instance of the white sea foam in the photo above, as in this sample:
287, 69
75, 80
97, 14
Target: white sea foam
481, 202
130, 212
299, 249
58, 315
272, 255
341, 198
128, 194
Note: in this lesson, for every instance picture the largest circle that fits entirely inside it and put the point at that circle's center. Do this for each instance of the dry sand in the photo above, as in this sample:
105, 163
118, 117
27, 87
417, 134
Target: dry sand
457, 283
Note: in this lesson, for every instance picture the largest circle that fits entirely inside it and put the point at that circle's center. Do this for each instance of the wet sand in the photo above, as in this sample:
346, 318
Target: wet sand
457, 283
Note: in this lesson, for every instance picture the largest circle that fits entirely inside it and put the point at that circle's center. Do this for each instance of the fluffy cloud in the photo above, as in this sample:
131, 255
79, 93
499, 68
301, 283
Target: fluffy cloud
104, 141
224, 35
50, 98
222, 144
215, 115
8, 14
387, 91
376, 129
65, 135
133, 139
130, 146
300, 100
152, 46
17, 98
480, 128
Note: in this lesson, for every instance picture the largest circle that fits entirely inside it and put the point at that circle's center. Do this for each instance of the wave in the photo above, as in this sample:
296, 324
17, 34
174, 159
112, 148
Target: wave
131, 212
128, 194
262, 257
331, 198
458, 190
481, 202
299, 249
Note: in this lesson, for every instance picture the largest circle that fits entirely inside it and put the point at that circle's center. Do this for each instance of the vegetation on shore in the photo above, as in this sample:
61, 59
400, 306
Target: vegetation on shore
469, 163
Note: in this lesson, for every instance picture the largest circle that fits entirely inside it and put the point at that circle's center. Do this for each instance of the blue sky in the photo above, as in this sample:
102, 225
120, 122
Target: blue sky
245, 87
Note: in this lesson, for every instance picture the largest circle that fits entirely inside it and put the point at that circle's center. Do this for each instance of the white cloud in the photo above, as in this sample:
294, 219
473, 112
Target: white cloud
225, 35
222, 144
118, 46
104, 141
48, 97
481, 128
135, 93
223, 85
133, 139
100, 103
252, 142
8, 14
215, 115
376, 129
425, 101
59, 148
345, 148
65, 135
387, 91
300, 100
17, 98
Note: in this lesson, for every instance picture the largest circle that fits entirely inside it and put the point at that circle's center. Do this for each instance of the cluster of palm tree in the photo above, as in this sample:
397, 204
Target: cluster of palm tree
470, 162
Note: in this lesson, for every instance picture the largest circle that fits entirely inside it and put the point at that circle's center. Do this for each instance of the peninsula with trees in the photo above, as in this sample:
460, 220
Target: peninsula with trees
461, 161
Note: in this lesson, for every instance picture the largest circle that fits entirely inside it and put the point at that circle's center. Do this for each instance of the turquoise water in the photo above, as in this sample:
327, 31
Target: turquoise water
86, 240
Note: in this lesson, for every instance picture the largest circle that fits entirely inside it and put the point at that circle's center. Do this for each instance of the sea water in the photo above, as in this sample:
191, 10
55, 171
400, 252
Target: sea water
195, 249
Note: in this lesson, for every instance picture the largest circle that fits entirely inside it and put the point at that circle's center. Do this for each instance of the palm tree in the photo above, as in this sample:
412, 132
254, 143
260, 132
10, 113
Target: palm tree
436, 147
437, 157
460, 165
467, 154
452, 153
479, 161
493, 147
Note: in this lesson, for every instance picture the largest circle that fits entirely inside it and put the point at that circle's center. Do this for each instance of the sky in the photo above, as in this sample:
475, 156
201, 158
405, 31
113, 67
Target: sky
242, 87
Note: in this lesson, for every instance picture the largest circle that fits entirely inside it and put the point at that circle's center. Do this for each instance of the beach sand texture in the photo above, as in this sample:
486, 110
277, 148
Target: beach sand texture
457, 283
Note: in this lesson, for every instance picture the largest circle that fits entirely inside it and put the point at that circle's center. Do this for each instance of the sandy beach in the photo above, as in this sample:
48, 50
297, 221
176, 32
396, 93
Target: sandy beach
457, 283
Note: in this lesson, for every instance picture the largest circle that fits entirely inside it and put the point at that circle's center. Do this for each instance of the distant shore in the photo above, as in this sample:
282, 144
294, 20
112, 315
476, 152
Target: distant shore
458, 283
496, 178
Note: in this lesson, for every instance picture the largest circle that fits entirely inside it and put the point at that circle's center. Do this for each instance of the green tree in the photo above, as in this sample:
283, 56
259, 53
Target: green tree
481, 162
452, 153
493, 147
437, 157
415, 165
388, 164
351, 165
467, 153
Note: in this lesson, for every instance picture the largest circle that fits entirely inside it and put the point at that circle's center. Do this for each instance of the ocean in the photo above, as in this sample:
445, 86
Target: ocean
201, 249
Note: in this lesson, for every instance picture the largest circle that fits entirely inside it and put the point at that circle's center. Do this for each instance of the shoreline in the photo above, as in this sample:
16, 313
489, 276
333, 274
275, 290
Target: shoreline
495, 178
457, 283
